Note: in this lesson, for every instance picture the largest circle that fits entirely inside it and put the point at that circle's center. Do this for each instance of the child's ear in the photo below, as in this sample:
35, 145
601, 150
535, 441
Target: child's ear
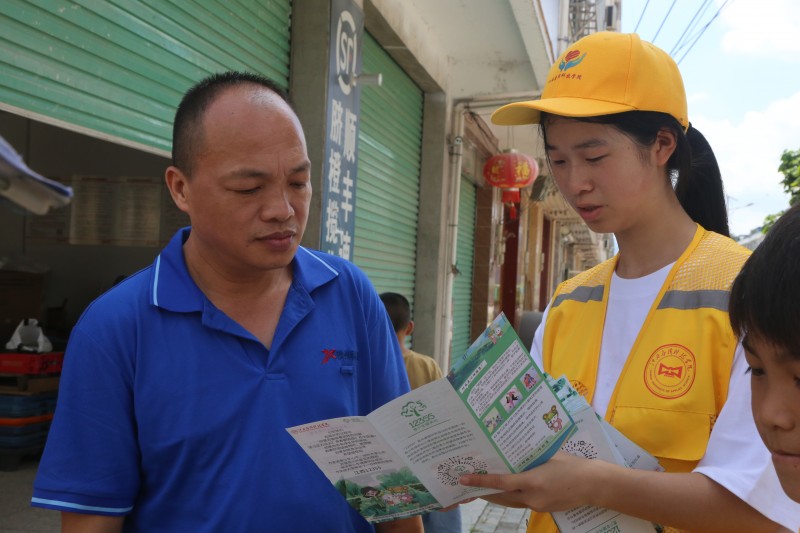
410, 327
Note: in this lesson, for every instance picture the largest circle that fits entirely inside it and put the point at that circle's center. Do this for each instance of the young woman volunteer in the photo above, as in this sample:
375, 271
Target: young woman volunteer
645, 336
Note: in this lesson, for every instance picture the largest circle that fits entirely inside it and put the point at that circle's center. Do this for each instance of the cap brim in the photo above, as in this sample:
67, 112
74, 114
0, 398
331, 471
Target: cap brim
530, 112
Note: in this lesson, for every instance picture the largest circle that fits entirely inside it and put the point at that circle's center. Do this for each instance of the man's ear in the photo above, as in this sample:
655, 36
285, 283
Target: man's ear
410, 327
178, 185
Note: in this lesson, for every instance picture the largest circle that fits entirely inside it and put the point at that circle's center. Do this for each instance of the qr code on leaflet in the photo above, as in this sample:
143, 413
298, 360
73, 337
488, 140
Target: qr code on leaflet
450, 471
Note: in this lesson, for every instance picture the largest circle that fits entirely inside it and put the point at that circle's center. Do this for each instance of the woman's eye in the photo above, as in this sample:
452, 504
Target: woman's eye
755, 372
595, 159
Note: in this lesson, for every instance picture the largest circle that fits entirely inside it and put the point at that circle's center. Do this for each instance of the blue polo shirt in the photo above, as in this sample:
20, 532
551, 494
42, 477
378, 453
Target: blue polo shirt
172, 414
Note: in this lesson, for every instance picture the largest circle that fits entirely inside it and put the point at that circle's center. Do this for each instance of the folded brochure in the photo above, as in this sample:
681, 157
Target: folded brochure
495, 412
597, 439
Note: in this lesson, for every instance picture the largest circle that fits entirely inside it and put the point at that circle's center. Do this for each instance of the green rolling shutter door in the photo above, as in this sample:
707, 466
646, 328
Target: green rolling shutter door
462, 284
119, 67
387, 187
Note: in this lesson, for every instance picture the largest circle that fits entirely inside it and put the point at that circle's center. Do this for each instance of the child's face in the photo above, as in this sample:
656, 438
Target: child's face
775, 382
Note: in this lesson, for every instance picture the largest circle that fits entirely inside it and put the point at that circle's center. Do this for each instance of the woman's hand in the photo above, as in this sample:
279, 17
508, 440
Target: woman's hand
564, 482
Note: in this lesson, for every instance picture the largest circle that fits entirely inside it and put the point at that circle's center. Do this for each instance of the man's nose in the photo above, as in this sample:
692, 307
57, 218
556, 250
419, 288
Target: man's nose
277, 206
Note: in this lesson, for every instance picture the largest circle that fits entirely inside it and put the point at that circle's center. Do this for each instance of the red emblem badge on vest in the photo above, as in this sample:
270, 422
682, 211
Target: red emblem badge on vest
669, 371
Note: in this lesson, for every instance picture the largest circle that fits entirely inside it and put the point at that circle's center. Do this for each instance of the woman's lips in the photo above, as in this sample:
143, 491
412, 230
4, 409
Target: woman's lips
589, 212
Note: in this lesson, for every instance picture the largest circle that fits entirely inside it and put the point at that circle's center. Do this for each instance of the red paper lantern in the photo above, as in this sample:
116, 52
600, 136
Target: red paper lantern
510, 171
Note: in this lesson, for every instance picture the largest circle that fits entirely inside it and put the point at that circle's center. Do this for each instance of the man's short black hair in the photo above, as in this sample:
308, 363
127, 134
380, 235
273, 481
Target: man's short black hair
398, 308
187, 135
765, 297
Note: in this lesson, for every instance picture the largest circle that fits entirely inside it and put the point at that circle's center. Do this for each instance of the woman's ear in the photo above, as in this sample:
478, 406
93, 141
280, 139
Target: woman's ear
664, 146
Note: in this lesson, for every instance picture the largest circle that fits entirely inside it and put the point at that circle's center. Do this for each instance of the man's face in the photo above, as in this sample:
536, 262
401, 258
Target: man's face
249, 192
775, 383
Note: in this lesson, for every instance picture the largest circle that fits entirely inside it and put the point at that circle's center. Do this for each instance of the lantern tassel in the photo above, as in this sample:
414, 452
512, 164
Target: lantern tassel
511, 196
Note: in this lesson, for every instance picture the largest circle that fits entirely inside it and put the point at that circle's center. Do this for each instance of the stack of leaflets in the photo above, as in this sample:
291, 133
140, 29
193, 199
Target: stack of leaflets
495, 412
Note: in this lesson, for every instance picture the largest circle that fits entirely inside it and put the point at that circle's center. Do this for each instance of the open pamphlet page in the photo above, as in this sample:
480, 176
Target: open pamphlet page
597, 439
493, 413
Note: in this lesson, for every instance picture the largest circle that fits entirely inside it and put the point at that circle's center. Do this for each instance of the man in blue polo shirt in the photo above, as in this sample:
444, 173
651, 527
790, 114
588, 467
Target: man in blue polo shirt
179, 382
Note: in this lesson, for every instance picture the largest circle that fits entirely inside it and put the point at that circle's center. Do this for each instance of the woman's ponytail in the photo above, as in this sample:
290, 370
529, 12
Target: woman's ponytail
699, 187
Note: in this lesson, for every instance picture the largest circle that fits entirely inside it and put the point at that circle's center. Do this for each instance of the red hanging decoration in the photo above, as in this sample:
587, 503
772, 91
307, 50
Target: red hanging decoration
510, 171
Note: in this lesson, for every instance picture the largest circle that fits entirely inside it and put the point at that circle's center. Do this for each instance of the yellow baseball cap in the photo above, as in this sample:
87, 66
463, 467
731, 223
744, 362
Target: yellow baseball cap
602, 74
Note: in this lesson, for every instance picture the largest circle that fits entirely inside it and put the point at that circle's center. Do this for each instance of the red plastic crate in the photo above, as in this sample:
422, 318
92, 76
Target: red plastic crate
31, 363
26, 420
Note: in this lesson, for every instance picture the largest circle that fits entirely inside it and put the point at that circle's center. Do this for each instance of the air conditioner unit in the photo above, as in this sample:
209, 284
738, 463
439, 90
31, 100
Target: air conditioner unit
610, 11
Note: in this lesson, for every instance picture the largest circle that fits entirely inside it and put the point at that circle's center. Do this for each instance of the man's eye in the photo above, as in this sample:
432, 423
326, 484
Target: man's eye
248, 191
755, 372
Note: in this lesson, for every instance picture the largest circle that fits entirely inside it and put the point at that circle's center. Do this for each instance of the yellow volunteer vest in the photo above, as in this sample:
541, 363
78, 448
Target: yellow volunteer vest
675, 380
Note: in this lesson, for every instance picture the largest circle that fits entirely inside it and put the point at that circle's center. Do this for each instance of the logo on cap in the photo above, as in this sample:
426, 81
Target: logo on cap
571, 60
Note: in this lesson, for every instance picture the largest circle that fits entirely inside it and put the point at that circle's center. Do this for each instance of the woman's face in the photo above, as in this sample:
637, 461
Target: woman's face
608, 179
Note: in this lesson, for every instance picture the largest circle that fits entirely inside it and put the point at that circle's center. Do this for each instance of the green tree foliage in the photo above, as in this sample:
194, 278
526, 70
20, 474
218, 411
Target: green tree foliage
790, 168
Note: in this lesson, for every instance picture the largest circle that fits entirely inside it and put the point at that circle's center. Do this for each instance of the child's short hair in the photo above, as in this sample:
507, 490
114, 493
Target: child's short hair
398, 308
765, 297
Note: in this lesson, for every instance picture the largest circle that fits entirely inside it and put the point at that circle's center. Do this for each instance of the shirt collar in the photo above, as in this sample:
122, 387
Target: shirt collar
172, 288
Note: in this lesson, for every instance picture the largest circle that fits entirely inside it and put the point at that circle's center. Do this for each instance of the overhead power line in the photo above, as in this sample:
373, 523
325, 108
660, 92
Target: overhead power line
702, 31
663, 21
641, 16
689, 27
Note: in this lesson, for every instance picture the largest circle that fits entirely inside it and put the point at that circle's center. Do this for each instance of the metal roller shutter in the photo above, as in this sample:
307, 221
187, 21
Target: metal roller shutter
462, 284
117, 68
387, 188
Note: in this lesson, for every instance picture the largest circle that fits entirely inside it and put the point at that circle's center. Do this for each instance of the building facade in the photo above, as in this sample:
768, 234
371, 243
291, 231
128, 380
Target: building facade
394, 98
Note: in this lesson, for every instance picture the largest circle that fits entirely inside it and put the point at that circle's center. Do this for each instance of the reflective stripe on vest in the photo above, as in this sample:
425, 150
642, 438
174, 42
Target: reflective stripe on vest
581, 294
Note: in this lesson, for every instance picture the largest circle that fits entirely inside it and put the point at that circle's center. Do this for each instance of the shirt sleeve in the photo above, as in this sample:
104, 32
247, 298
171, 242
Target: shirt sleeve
90, 461
538, 341
737, 459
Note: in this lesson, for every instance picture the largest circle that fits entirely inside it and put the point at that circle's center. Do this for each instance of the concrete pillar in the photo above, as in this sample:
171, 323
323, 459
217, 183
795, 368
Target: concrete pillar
431, 230
308, 89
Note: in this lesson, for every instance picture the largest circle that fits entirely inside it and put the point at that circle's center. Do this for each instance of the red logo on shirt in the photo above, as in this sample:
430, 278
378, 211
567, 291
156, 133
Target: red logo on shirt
329, 354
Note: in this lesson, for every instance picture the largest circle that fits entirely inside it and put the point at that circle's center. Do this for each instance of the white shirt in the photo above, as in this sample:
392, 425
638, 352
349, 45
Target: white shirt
736, 458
